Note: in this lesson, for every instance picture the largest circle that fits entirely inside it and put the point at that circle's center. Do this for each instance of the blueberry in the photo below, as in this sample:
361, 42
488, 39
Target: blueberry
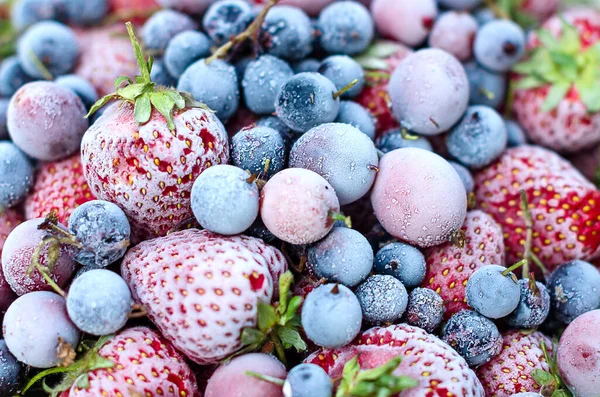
160, 75
574, 289
485, 87
465, 176
16, 175
492, 293
10, 370
343, 70
99, 302
357, 116
289, 136
331, 316
103, 230
346, 28
12, 76
533, 308
259, 230
383, 299
80, 86
224, 201
215, 84
227, 18
86, 12
402, 261
25, 13
479, 137
425, 309
484, 15
307, 380
499, 45
307, 100
287, 33
460, 4
3, 115
262, 81
515, 134
53, 44
342, 155
184, 49
344, 256
473, 336
310, 65
163, 26
393, 140
252, 147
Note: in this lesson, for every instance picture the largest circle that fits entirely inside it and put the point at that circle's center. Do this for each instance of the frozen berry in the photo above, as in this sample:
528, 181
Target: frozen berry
184, 49
16, 175
454, 32
383, 299
307, 380
533, 307
403, 261
394, 139
499, 45
163, 26
493, 291
425, 309
346, 28
262, 81
342, 71
357, 116
287, 33
259, 150
225, 19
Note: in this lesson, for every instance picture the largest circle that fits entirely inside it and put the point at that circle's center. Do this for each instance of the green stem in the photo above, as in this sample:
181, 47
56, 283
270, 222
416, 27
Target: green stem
539, 264
342, 91
514, 267
407, 135
266, 378
278, 347
37, 377
338, 216
39, 65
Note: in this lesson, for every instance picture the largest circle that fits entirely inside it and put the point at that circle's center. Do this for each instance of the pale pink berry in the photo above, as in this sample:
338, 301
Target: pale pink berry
407, 21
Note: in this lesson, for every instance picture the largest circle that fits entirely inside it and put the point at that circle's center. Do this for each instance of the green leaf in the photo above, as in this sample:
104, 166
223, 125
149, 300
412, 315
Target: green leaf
292, 309
291, 338
382, 49
567, 64
120, 80
164, 105
267, 317
99, 362
547, 39
143, 109
404, 382
560, 393
529, 82
133, 91
285, 283
176, 97
83, 381
590, 96
542, 377
556, 94
371, 63
251, 336
351, 368
100, 103
569, 40
378, 372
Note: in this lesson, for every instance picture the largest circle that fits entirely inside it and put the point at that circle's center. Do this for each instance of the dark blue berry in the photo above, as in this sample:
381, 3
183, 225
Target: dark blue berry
160, 75
343, 70
485, 87
465, 176
16, 175
259, 230
425, 309
533, 308
227, 18
393, 140
184, 49
310, 65
383, 299
25, 13
262, 81
357, 116
307, 380
492, 293
86, 12
289, 136
287, 33
12, 76
499, 45
163, 26
10, 370
515, 134
346, 28
251, 148
402, 261
3, 110
80, 86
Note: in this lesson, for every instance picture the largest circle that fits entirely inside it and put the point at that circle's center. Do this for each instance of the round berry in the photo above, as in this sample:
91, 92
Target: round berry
80, 86
425, 309
12, 76
493, 293
342, 71
454, 32
287, 33
499, 45
383, 299
393, 140
262, 81
407, 21
307, 380
515, 134
160, 75
10, 370
225, 19
16, 175
465, 176
275, 122
486, 88
163, 26
357, 116
184, 49
460, 4
346, 28
252, 149
533, 307
403, 261
311, 65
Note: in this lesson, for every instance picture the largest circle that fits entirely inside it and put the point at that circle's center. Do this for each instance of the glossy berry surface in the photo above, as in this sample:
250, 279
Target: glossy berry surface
403, 261
346, 28
383, 299
425, 309
262, 81
492, 293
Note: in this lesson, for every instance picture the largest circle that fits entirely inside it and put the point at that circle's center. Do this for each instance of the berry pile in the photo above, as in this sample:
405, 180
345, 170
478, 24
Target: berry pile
300, 198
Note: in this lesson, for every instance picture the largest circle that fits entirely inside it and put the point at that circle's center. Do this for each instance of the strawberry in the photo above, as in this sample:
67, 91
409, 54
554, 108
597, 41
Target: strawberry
449, 266
512, 370
439, 370
145, 152
139, 10
556, 97
105, 55
379, 61
60, 187
563, 205
9, 219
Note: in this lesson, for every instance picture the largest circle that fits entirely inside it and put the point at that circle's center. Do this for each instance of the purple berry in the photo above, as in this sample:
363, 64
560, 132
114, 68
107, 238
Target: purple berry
16, 175
10, 370
515, 134
80, 86
402, 261
3, 114
262, 81
533, 308
163, 26
346, 28
184, 49
454, 32
252, 148
492, 293
383, 299
226, 18
499, 45
425, 309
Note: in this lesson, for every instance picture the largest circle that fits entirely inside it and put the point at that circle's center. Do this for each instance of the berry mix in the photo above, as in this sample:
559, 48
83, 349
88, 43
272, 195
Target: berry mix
300, 198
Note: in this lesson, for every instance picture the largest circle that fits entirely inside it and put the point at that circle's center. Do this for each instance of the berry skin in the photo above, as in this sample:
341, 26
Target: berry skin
357, 116
46, 120
344, 256
449, 267
403, 261
289, 136
25, 13
499, 45
216, 85
318, 323
83, 88
224, 201
307, 380
438, 368
198, 303
425, 309
406, 21
511, 370
12, 76
346, 28
341, 154
343, 70
383, 299
17, 256
473, 336
32, 325
454, 32
310, 65
231, 380
533, 307
515, 134
307, 100
9, 220
479, 138
103, 230
296, 206
86, 12
287, 33
59, 187
574, 289
492, 293
418, 197
393, 140
440, 87
16, 175
578, 355
465, 176
263, 78
98, 302
9, 371
194, 7
460, 4
563, 205
252, 147
163, 26
160, 75
486, 88
148, 170
184, 49
3, 114
225, 19
54, 45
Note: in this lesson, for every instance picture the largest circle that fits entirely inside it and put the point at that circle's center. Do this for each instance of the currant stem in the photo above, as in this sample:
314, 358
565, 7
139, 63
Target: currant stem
266, 378
407, 135
39, 65
517, 265
138, 311
343, 90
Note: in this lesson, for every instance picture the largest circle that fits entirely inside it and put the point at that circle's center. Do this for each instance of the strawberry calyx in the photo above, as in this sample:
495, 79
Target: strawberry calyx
277, 325
562, 63
145, 94
550, 381
379, 381
511, 9
374, 59
76, 372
